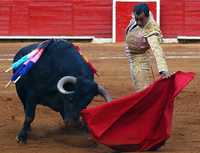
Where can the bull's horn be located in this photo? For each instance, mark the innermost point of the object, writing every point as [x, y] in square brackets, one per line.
[104, 93]
[64, 80]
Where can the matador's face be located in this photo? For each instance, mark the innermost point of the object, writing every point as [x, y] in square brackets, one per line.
[141, 19]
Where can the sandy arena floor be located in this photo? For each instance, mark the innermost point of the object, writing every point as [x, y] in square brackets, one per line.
[48, 134]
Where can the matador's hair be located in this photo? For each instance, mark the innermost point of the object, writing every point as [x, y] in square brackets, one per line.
[138, 9]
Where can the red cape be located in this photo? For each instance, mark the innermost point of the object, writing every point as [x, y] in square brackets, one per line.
[138, 122]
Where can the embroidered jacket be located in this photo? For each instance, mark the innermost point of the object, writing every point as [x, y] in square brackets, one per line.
[139, 40]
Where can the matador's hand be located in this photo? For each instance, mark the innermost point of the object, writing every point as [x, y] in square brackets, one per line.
[165, 74]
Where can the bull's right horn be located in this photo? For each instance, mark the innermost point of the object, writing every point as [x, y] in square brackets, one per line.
[63, 81]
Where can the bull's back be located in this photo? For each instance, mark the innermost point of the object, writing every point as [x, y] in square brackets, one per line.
[59, 59]
[24, 51]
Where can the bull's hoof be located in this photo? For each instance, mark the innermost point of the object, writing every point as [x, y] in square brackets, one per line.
[72, 125]
[84, 127]
[116, 151]
[22, 138]
[92, 142]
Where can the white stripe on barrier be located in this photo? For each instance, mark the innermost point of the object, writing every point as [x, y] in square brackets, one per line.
[169, 55]
[182, 53]
[183, 57]
[6, 59]
[4, 55]
[123, 57]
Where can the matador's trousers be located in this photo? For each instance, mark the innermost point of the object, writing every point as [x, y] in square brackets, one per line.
[141, 70]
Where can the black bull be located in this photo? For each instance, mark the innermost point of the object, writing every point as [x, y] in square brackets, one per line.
[61, 80]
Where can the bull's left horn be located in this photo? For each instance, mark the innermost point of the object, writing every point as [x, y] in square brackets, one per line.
[104, 93]
[64, 80]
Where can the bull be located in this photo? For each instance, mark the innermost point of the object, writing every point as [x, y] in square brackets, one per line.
[61, 80]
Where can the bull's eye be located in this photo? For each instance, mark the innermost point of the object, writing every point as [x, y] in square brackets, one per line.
[69, 86]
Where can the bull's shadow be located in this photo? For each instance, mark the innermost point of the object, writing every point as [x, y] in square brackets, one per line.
[64, 135]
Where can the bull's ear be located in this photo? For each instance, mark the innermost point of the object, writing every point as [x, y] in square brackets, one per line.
[86, 86]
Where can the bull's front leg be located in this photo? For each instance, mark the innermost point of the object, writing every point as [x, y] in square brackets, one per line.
[29, 111]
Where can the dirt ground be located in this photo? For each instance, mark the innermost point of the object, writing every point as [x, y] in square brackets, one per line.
[48, 133]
